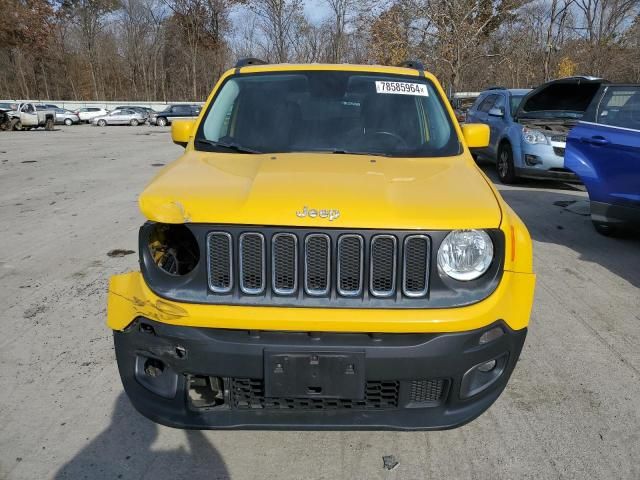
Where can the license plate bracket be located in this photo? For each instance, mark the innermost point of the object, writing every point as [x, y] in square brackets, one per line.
[305, 374]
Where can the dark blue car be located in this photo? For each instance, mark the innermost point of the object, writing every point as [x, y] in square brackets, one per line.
[603, 149]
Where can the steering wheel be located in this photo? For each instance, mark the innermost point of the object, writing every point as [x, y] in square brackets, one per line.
[401, 141]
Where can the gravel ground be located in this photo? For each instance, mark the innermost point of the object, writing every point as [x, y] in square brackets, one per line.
[68, 197]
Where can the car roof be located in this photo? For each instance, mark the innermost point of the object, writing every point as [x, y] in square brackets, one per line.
[340, 67]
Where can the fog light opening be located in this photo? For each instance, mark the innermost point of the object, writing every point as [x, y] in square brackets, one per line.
[153, 367]
[490, 335]
[532, 160]
[206, 392]
[487, 366]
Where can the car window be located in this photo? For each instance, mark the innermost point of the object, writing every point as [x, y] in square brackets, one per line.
[515, 103]
[477, 102]
[500, 102]
[182, 109]
[487, 103]
[93, 109]
[620, 107]
[334, 111]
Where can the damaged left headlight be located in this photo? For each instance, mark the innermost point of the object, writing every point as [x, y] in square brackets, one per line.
[173, 248]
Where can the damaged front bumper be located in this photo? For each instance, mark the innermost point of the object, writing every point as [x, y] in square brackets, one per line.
[201, 378]
[212, 366]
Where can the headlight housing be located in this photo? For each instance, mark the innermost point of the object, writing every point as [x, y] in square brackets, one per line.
[465, 254]
[533, 137]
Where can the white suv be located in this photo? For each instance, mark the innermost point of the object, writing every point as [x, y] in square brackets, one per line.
[86, 114]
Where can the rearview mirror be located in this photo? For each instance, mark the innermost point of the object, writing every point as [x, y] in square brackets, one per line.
[182, 131]
[496, 112]
[476, 135]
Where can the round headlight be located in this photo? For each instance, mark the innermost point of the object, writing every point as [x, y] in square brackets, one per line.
[465, 254]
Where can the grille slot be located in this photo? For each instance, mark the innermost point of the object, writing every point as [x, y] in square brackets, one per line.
[220, 264]
[350, 263]
[285, 264]
[427, 391]
[252, 263]
[415, 277]
[248, 394]
[317, 261]
[383, 262]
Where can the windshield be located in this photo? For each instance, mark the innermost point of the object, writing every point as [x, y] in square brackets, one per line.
[328, 111]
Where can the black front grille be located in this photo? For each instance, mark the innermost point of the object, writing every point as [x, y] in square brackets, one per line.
[248, 394]
[313, 266]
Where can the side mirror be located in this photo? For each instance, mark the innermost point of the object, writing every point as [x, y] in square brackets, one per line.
[182, 131]
[476, 135]
[496, 112]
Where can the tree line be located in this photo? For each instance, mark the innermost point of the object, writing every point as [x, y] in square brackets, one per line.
[148, 50]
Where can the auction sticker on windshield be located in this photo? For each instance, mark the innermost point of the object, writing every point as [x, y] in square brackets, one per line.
[402, 88]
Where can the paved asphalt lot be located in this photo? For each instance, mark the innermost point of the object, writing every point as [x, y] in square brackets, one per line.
[571, 410]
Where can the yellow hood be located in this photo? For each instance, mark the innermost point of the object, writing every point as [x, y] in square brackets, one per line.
[368, 192]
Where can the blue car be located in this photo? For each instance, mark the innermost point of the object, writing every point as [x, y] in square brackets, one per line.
[604, 151]
[529, 127]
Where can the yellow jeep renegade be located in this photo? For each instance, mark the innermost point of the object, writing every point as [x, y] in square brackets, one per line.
[325, 255]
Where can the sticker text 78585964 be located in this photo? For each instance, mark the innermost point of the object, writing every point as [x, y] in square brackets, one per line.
[402, 88]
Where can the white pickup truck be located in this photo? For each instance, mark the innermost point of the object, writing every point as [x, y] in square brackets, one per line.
[28, 116]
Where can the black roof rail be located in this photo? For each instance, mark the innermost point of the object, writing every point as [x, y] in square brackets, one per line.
[415, 64]
[496, 88]
[246, 62]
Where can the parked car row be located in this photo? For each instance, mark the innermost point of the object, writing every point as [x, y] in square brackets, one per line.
[121, 115]
[578, 129]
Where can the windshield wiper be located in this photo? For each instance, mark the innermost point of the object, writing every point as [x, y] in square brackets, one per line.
[229, 146]
[356, 152]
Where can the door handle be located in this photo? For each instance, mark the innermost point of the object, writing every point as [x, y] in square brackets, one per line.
[595, 140]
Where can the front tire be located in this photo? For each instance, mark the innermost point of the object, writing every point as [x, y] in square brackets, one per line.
[133, 122]
[68, 122]
[605, 229]
[161, 122]
[505, 167]
[102, 123]
[48, 124]
[17, 125]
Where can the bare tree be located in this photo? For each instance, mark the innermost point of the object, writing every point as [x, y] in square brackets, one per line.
[278, 21]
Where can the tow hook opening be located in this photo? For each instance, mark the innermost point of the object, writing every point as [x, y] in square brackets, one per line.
[205, 391]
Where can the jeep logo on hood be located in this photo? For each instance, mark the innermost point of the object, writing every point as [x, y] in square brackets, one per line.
[331, 214]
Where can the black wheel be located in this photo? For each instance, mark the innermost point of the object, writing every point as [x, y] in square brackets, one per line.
[133, 122]
[48, 124]
[161, 122]
[17, 125]
[605, 229]
[506, 169]
[102, 123]
[68, 122]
